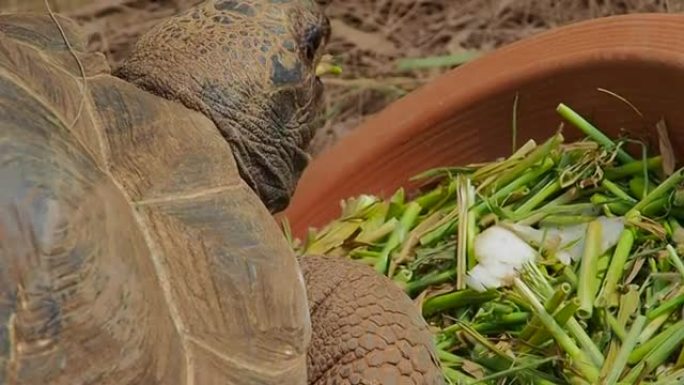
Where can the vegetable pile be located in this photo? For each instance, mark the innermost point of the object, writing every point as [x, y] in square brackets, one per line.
[557, 265]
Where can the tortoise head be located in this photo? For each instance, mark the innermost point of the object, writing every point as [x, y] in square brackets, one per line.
[250, 66]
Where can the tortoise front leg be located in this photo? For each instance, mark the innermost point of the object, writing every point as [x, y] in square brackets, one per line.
[365, 329]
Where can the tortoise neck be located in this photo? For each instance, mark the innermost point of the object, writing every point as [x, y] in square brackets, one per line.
[270, 155]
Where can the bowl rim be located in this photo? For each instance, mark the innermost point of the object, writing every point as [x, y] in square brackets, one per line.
[644, 37]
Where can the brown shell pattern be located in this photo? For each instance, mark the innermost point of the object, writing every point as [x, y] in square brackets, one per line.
[132, 253]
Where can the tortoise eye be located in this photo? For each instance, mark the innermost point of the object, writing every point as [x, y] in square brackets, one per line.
[312, 41]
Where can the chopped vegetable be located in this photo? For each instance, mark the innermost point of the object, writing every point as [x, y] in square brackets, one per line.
[560, 264]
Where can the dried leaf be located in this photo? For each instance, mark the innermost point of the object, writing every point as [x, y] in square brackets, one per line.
[333, 238]
[666, 150]
[622, 99]
[473, 369]
[431, 292]
[635, 270]
[420, 299]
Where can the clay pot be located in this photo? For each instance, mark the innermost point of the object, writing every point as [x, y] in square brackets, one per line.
[465, 115]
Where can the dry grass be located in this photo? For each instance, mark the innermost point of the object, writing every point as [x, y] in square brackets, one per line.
[369, 36]
[392, 29]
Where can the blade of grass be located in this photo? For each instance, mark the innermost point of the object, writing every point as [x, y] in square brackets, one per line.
[675, 259]
[644, 348]
[412, 64]
[656, 356]
[667, 306]
[515, 369]
[617, 366]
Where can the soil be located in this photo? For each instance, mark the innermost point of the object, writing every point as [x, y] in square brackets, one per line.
[370, 37]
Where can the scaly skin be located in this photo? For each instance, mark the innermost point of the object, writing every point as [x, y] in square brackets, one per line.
[365, 329]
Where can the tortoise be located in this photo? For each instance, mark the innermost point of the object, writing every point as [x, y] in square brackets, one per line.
[137, 238]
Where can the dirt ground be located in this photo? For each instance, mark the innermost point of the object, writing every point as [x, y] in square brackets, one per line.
[371, 38]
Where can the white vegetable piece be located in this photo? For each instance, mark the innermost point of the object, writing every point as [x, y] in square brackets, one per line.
[502, 250]
[567, 242]
[500, 254]
[572, 237]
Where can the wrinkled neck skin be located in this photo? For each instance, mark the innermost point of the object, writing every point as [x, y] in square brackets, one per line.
[269, 142]
[268, 133]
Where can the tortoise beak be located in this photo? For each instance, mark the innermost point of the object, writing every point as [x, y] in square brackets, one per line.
[326, 66]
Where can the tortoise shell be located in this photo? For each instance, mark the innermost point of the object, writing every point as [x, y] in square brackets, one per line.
[137, 244]
[126, 227]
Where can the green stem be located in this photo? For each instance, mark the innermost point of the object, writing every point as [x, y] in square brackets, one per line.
[616, 206]
[551, 305]
[470, 238]
[538, 198]
[558, 203]
[434, 197]
[620, 361]
[362, 253]
[445, 356]
[639, 186]
[502, 323]
[633, 168]
[415, 287]
[456, 299]
[523, 180]
[614, 189]
[573, 326]
[466, 195]
[457, 376]
[653, 326]
[642, 350]
[561, 317]
[594, 133]
[615, 326]
[530, 160]
[608, 295]
[655, 207]
[407, 221]
[580, 360]
[675, 259]
[660, 191]
[666, 306]
[569, 276]
[565, 220]
[515, 369]
[379, 233]
[656, 356]
[588, 281]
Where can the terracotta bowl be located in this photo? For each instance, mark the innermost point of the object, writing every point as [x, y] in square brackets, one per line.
[465, 115]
